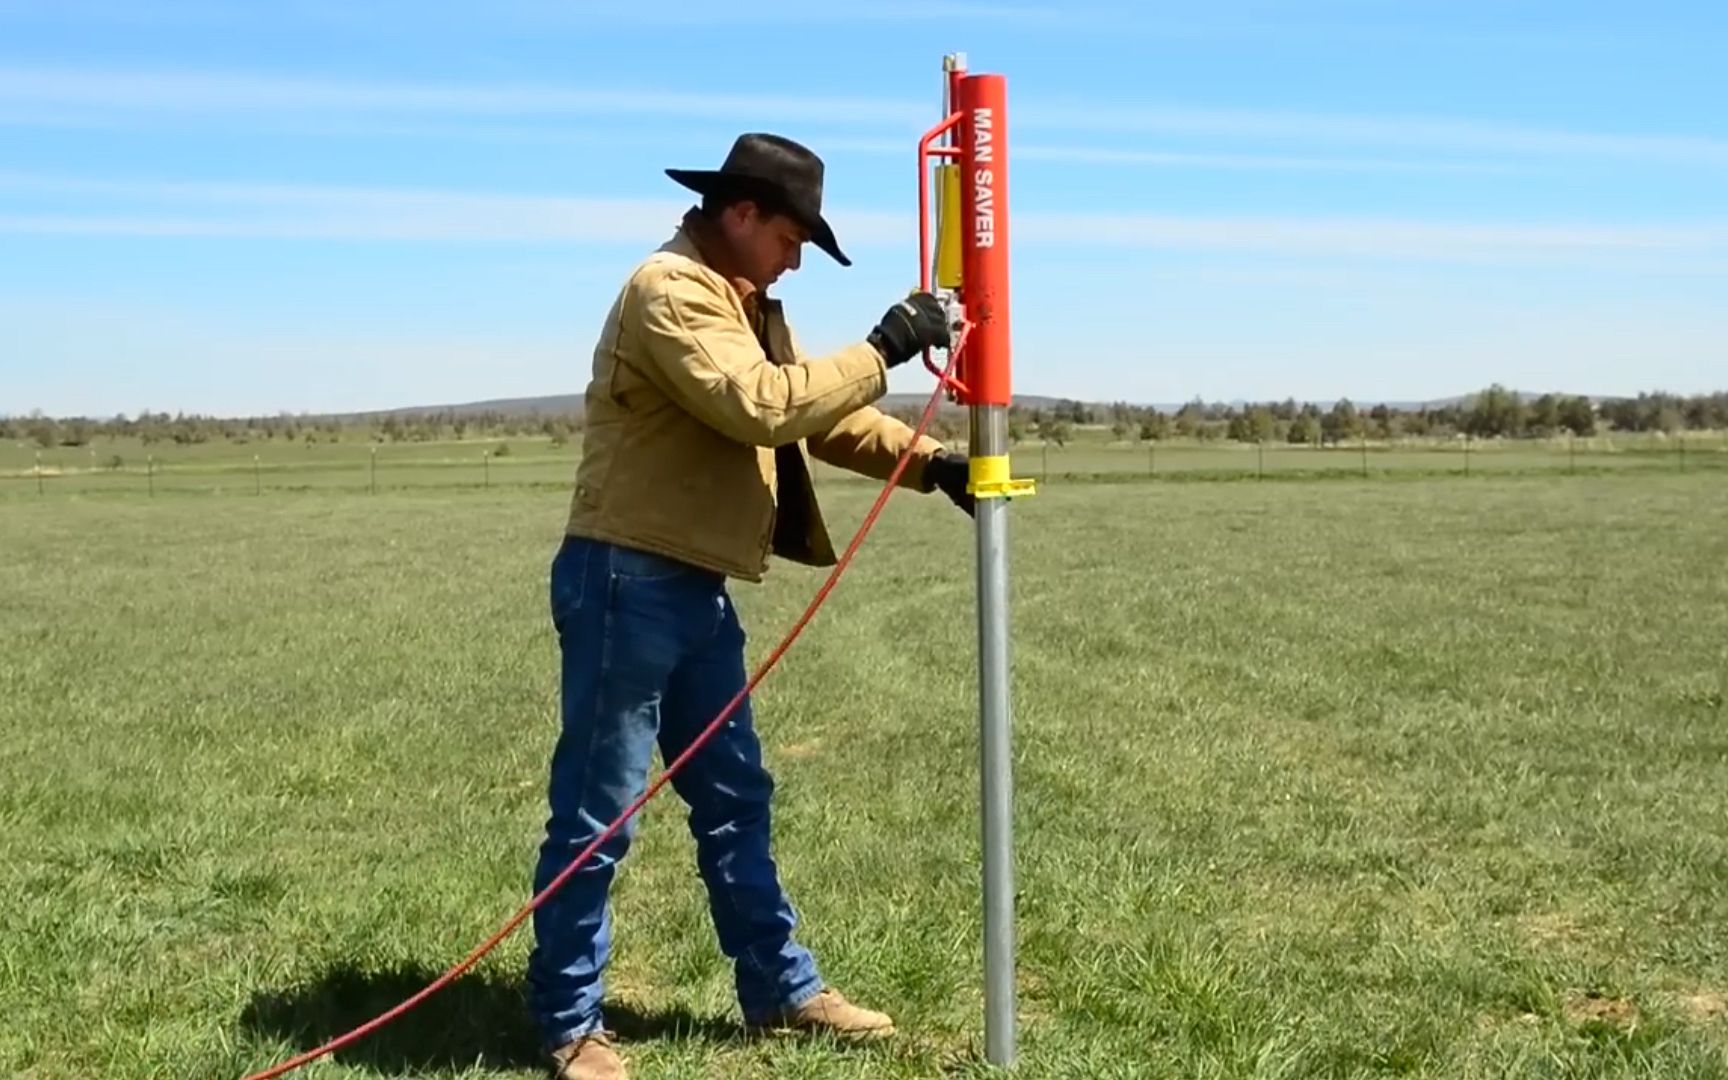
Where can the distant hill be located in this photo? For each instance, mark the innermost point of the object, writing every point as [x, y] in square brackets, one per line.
[572, 404]
[550, 405]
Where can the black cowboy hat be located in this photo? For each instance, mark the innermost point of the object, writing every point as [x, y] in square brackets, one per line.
[785, 175]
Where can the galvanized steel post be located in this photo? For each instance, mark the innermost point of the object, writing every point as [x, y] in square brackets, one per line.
[976, 178]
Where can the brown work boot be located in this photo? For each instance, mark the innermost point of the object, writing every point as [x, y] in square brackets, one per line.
[829, 1013]
[590, 1057]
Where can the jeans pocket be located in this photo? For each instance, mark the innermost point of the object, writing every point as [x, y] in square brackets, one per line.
[567, 583]
[636, 565]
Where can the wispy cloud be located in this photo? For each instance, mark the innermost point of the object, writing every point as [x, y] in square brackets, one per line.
[1318, 22]
[43, 92]
[831, 146]
[1098, 155]
[300, 212]
[311, 212]
[1173, 159]
[597, 224]
[223, 92]
[782, 12]
[1428, 133]
[524, 13]
[1378, 238]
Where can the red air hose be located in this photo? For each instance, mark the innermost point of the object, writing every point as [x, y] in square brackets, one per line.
[707, 733]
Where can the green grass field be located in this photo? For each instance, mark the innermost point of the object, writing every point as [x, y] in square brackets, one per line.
[1315, 779]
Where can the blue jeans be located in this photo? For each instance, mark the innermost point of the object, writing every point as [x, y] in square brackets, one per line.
[652, 651]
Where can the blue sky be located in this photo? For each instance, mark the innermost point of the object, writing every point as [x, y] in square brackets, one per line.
[244, 208]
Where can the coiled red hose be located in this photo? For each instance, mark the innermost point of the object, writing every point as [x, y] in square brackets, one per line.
[671, 769]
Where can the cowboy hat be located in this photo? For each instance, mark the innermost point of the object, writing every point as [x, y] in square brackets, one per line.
[787, 174]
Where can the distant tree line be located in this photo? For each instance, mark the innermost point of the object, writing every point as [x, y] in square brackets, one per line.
[182, 429]
[1493, 413]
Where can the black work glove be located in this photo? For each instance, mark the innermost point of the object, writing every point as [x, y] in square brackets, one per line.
[909, 327]
[949, 473]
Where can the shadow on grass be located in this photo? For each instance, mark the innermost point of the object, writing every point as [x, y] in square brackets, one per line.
[480, 1019]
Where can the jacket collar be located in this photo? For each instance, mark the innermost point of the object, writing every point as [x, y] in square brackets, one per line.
[698, 239]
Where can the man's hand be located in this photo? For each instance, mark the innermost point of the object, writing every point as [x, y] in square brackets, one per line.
[909, 327]
[949, 472]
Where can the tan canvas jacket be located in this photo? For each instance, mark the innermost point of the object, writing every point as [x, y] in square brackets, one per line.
[698, 431]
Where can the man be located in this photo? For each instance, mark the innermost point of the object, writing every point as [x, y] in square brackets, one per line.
[701, 416]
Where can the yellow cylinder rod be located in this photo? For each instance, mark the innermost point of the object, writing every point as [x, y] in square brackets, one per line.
[948, 226]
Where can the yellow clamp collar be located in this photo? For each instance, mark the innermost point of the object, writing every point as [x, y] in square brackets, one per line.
[989, 478]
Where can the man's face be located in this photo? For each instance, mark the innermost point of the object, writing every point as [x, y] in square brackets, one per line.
[765, 247]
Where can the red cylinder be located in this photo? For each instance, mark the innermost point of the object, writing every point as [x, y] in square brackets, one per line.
[985, 365]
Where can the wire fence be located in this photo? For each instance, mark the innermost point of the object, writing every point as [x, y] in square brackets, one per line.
[1366, 459]
[103, 471]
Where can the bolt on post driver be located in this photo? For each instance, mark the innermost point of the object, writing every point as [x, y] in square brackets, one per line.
[970, 267]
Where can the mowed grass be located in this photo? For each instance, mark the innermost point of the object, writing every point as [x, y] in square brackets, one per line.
[1341, 779]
